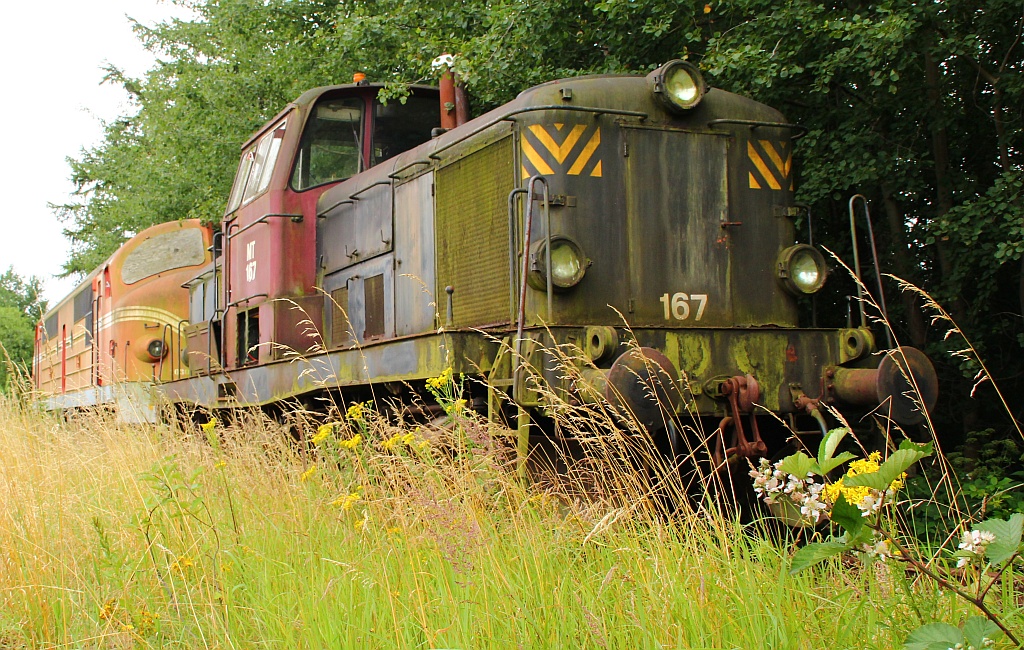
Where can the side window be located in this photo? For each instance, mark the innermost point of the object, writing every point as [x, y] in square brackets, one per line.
[331, 146]
[50, 325]
[83, 308]
[256, 168]
[399, 127]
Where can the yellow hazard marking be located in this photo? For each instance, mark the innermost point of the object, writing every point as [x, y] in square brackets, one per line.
[539, 164]
[546, 150]
[776, 159]
[560, 152]
[754, 185]
[587, 152]
[762, 167]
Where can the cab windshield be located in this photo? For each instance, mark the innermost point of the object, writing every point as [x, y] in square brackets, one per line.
[331, 147]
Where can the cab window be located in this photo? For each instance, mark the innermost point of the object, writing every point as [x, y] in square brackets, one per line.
[256, 168]
[399, 127]
[331, 146]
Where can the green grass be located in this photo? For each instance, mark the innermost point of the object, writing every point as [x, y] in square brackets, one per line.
[120, 537]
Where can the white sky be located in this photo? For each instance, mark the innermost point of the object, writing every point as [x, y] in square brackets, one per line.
[52, 106]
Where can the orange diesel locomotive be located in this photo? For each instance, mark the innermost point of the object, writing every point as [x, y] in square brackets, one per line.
[120, 330]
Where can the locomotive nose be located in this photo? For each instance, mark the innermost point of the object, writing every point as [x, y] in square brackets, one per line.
[644, 382]
[904, 382]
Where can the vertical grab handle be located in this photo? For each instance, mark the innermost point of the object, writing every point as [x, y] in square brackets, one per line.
[856, 265]
[527, 240]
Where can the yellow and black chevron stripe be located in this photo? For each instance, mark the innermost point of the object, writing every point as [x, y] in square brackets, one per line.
[771, 165]
[561, 149]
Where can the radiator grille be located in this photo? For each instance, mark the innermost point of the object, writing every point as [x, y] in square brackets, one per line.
[472, 235]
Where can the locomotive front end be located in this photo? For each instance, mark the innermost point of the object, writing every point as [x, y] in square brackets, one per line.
[659, 239]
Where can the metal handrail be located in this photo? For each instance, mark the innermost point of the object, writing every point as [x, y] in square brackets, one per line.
[753, 124]
[856, 265]
[295, 218]
[209, 344]
[530, 109]
[527, 236]
[322, 214]
[164, 343]
[513, 239]
[395, 175]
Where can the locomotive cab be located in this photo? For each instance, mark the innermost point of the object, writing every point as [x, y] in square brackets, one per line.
[269, 229]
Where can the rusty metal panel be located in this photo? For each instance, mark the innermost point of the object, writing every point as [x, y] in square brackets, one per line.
[363, 318]
[472, 234]
[677, 202]
[359, 230]
[762, 160]
[414, 256]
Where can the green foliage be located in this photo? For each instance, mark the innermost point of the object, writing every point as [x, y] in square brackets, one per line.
[21, 306]
[936, 636]
[893, 468]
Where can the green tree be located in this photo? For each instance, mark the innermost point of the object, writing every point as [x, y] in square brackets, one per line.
[917, 106]
[21, 307]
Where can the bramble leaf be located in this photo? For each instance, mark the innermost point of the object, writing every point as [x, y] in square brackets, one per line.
[1008, 535]
[811, 554]
[799, 465]
[829, 444]
[847, 515]
[832, 463]
[934, 636]
[892, 468]
[979, 628]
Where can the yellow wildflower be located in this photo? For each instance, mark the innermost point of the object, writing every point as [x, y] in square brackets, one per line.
[181, 564]
[391, 442]
[208, 427]
[221, 464]
[308, 474]
[360, 524]
[108, 609]
[346, 502]
[323, 432]
[854, 494]
[357, 412]
[867, 465]
[441, 381]
[352, 442]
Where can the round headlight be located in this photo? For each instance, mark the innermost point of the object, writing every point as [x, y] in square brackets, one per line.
[679, 85]
[568, 265]
[802, 269]
[156, 349]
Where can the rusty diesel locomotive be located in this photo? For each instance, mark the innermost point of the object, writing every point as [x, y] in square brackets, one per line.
[646, 222]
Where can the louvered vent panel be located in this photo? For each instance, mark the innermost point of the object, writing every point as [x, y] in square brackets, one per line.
[373, 300]
[472, 235]
[340, 330]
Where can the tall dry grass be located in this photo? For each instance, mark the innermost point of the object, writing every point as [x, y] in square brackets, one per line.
[117, 537]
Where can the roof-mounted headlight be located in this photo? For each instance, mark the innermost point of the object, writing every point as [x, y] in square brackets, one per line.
[678, 85]
[802, 269]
